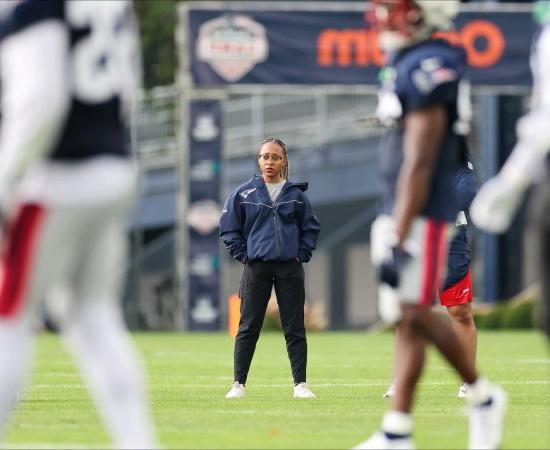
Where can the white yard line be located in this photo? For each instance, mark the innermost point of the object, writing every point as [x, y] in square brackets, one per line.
[201, 386]
[46, 445]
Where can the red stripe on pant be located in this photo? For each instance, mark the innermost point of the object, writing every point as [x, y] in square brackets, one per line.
[434, 254]
[17, 258]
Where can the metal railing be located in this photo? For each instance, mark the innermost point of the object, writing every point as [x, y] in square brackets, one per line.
[154, 125]
[304, 118]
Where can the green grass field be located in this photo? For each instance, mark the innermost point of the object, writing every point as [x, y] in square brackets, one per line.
[190, 373]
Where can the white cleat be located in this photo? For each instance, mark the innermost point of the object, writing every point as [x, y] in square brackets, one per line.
[379, 441]
[486, 421]
[302, 391]
[237, 391]
[463, 391]
[390, 392]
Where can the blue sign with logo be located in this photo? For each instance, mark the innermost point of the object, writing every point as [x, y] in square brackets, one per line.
[322, 47]
[203, 216]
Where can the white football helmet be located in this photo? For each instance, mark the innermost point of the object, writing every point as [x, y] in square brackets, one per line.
[402, 23]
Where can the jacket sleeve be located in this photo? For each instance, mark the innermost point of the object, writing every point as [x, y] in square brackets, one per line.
[231, 228]
[309, 230]
[466, 187]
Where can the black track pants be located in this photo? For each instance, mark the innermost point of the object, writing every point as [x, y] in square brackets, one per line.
[257, 282]
[540, 214]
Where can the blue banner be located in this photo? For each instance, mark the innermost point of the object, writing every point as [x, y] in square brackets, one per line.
[307, 47]
[203, 216]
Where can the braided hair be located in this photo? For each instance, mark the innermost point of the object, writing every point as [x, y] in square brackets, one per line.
[277, 141]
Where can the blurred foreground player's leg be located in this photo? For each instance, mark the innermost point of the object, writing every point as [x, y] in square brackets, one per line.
[457, 292]
[66, 183]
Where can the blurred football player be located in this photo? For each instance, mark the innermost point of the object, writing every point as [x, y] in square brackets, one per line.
[457, 291]
[420, 154]
[68, 72]
[498, 200]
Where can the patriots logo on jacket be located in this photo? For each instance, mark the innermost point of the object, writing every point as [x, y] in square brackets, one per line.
[246, 193]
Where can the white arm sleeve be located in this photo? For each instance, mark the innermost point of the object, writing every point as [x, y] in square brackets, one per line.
[35, 96]
[533, 130]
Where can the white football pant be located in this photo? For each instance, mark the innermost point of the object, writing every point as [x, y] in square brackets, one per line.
[69, 231]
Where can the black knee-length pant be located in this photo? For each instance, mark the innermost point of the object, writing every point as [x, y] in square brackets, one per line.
[258, 279]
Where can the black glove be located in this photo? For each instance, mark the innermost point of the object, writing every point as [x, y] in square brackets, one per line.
[389, 272]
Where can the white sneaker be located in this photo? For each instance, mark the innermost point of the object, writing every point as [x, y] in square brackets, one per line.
[485, 421]
[390, 392]
[237, 391]
[463, 390]
[379, 441]
[302, 391]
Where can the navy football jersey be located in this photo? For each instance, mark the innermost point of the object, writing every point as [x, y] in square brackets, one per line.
[418, 77]
[100, 67]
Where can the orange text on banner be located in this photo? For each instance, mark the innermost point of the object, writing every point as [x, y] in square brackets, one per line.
[355, 47]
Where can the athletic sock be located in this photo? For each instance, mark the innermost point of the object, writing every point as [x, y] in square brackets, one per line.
[397, 425]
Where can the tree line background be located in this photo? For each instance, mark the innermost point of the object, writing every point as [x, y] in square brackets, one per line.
[157, 22]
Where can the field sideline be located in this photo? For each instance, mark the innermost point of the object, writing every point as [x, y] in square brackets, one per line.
[190, 373]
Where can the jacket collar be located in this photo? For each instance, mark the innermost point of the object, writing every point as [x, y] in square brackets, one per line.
[258, 181]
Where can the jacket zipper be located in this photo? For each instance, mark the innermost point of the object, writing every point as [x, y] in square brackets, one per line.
[276, 233]
[277, 248]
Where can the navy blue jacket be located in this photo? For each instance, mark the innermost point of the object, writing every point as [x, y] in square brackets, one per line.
[254, 228]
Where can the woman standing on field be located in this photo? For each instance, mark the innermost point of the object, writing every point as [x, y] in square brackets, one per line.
[268, 224]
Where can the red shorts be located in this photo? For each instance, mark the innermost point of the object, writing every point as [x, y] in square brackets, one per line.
[459, 293]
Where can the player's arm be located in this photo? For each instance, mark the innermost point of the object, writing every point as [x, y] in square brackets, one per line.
[498, 200]
[35, 97]
[424, 131]
[532, 130]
